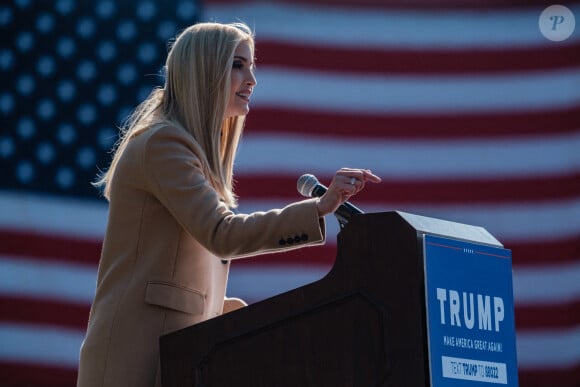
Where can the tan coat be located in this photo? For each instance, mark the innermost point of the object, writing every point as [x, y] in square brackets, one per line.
[161, 267]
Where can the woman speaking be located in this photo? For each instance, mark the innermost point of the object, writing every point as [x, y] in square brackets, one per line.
[171, 231]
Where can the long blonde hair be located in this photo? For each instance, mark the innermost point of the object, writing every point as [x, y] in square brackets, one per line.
[194, 98]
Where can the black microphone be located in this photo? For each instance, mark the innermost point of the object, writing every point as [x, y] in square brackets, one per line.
[309, 186]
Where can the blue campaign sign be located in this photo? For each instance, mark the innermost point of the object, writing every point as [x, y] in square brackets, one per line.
[470, 313]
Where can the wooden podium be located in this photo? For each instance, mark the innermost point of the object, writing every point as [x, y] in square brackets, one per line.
[363, 324]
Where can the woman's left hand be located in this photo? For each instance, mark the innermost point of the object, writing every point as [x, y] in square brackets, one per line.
[232, 303]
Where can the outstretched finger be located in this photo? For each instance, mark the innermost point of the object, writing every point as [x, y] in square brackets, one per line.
[369, 176]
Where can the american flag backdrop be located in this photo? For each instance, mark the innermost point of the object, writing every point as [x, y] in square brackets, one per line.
[464, 108]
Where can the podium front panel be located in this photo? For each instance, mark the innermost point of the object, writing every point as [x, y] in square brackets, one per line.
[470, 313]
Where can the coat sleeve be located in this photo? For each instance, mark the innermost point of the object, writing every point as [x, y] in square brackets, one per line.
[175, 176]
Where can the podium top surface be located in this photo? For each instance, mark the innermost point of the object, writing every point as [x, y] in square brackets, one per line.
[445, 228]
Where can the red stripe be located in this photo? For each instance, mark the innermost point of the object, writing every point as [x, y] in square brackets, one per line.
[50, 247]
[43, 312]
[524, 253]
[564, 315]
[408, 61]
[557, 377]
[316, 256]
[18, 374]
[33, 246]
[440, 5]
[37, 375]
[554, 252]
[413, 126]
[566, 250]
[416, 192]
[528, 253]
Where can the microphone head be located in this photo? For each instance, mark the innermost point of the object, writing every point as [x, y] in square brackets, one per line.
[306, 184]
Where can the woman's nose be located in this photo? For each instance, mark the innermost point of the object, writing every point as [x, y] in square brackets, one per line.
[251, 79]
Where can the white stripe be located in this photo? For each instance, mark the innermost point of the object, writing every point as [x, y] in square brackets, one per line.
[47, 280]
[542, 221]
[40, 345]
[532, 286]
[542, 285]
[358, 93]
[513, 222]
[410, 159]
[260, 282]
[545, 284]
[60, 347]
[53, 215]
[548, 349]
[387, 27]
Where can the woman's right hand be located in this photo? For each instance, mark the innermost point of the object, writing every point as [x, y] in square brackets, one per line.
[345, 183]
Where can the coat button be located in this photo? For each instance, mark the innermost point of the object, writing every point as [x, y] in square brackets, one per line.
[297, 239]
[304, 237]
[281, 242]
[290, 241]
